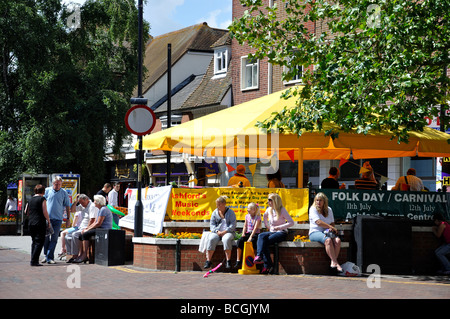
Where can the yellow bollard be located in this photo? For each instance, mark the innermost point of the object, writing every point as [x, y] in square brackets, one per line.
[248, 267]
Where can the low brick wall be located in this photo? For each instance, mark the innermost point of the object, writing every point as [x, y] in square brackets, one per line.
[8, 229]
[294, 257]
[424, 243]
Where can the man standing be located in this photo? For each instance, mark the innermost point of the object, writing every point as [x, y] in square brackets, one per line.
[113, 200]
[57, 199]
[332, 180]
[113, 195]
[104, 191]
[367, 181]
[414, 183]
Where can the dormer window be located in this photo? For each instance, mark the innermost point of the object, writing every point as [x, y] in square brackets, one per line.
[221, 59]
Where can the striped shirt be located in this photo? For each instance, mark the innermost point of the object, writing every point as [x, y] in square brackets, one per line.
[364, 183]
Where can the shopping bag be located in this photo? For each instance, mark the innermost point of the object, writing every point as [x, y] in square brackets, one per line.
[349, 269]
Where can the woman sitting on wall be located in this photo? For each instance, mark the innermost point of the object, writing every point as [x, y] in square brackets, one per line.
[322, 230]
[442, 230]
[222, 226]
[277, 221]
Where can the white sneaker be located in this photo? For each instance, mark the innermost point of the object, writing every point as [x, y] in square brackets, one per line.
[44, 260]
[51, 261]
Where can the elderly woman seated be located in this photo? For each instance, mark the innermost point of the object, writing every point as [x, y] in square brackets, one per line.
[104, 220]
[222, 225]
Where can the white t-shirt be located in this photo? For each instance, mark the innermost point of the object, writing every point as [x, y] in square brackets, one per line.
[11, 204]
[113, 197]
[90, 211]
[314, 216]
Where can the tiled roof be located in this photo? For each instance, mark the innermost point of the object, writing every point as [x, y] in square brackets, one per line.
[224, 40]
[179, 97]
[210, 91]
[199, 37]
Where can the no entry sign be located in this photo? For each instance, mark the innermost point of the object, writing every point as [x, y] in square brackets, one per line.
[140, 120]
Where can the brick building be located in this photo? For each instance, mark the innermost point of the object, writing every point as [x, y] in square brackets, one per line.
[253, 79]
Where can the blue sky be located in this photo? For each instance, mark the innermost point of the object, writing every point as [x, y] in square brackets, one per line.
[170, 15]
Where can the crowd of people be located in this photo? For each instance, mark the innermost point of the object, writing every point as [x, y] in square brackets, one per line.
[368, 181]
[46, 207]
[45, 217]
[277, 222]
[321, 220]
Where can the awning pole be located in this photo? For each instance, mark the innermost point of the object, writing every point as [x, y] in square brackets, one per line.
[300, 168]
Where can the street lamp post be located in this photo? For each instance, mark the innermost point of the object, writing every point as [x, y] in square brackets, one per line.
[138, 210]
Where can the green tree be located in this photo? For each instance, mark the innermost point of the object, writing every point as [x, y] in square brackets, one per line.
[64, 90]
[377, 65]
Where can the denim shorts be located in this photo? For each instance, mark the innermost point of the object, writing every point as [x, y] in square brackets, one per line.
[317, 236]
[72, 229]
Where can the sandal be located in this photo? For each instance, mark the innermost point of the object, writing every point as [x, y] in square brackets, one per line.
[258, 260]
[267, 271]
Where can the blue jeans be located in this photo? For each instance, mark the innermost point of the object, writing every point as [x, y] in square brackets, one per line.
[50, 241]
[264, 241]
[441, 253]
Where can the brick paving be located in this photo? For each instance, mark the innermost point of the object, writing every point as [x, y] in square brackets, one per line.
[20, 281]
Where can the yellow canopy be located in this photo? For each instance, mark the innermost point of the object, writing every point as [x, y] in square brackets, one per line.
[232, 132]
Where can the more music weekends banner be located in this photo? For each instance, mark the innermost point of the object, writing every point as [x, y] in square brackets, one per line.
[199, 203]
[154, 203]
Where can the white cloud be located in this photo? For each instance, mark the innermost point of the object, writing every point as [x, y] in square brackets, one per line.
[215, 18]
[161, 15]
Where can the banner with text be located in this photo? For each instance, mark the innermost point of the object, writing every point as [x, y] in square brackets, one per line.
[154, 203]
[417, 206]
[199, 203]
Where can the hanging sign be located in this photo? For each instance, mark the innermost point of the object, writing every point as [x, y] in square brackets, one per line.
[140, 120]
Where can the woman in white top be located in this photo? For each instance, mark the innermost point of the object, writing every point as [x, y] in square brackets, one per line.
[11, 206]
[321, 228]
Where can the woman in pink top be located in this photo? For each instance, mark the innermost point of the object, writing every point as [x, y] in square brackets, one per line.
[442, 230]
[277, 221]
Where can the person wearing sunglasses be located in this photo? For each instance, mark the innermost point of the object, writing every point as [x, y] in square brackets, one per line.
[277, 221]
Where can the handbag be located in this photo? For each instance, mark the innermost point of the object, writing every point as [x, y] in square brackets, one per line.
[405, 187]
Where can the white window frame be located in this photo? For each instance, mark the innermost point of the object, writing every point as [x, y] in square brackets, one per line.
[175, 120]
[221, 61]
[254, 76]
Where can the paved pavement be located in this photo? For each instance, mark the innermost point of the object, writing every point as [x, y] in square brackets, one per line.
[18, 281]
